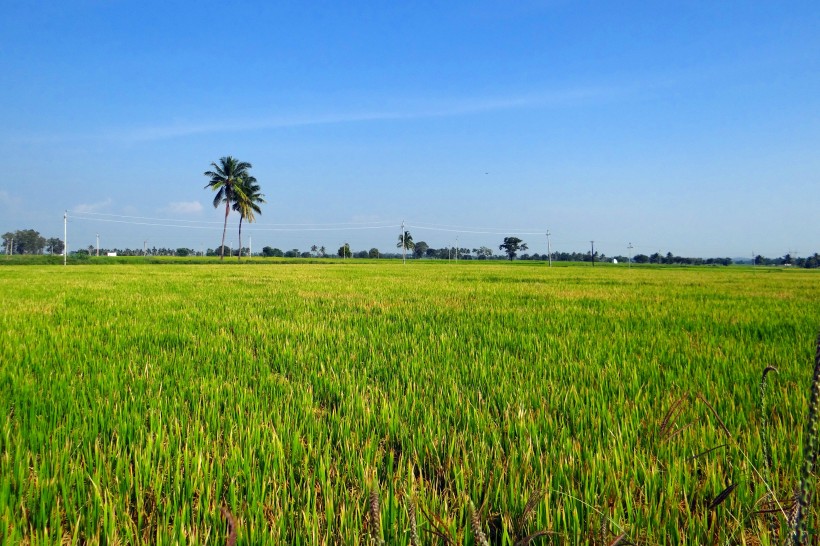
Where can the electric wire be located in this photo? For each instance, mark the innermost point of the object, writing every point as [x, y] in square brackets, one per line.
[335, 226]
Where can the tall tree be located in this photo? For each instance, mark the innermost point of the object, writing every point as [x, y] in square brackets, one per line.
[420, 248]
[226, 181]
[24, 241]
[8, 240]
[55, 245]
[405, 242]
[246, 203]
[511, 246]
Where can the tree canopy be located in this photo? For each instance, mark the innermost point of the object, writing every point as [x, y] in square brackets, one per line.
[246, 203]
[25, 241]
[511, 246]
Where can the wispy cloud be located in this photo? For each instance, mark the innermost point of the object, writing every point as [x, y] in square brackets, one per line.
[412, 110]
[85, 208]
[401, 109]
[182, 207]
[8, 200]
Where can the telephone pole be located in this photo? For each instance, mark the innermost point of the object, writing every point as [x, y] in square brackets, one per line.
[250, 246]
[549, 248]
[98, 245]
[403, 249]
[65, 238]
[457, 250]
[630, 254]
[592, 252]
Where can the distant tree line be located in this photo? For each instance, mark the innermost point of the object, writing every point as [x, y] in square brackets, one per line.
[788, 260]
[29, 241]
[670, 259]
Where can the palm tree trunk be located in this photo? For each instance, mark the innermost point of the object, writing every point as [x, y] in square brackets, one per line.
[239, 256]
[224, 229]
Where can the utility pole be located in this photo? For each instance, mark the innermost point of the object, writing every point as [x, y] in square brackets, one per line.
[65, 238]
[457, 250]
[98, 245]
[592, 252]
[250, 245]
[403, 250]
[144, 249]
[549, 248]
[630, 255]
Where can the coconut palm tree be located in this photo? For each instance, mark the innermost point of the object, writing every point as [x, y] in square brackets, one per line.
[247, 204]
[226, 181]
[405, 243]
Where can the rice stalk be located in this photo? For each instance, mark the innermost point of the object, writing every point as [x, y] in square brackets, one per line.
[231, 523]
[414, 533]
[475, 527]
[771, 519]
[375, 517]
[799, 532]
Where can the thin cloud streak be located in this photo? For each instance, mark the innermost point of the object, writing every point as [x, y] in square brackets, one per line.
[444, 109]
[7, 200]
[431, 109]
[85, 208]
[183, 207]
[413, 109]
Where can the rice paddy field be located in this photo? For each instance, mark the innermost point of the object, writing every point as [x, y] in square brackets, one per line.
[375, 403]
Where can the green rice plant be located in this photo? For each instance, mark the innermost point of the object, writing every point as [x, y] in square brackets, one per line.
[134, 404]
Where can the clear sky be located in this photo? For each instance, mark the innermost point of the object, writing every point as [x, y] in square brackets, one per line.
[690, 127]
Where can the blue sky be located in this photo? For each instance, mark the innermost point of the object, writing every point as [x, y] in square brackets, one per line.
[690, 127]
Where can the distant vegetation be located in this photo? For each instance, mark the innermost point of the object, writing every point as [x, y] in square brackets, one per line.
[32, 243]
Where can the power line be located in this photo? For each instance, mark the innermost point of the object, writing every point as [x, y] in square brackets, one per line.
[520, 230]
[220, 222]
[498, 232]
[219, 227]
